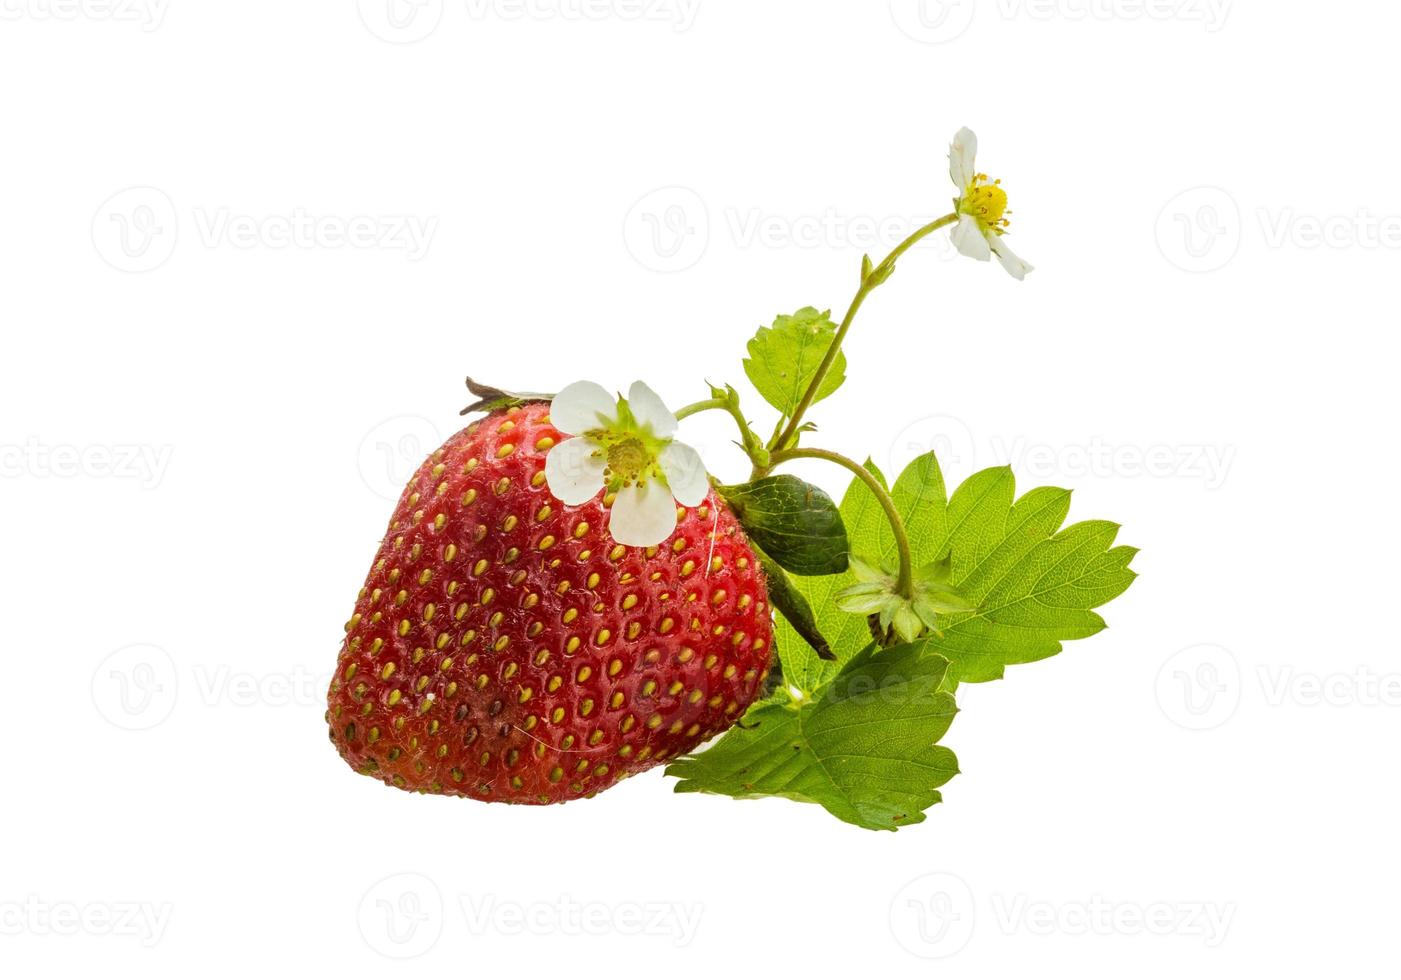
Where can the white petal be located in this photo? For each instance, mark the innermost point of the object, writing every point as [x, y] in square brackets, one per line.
[969, 239]
[572, 471]
[685, 473]
[962, 158]
[650, 411]
[1008, 258]
[643, 516]
[582, 406]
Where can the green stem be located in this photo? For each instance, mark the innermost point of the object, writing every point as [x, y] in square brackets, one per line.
[904, 585]
[695, 407]
[869, 282]
[749, 442]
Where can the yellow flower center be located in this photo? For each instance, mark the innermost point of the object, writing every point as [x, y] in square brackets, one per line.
[987, 202]
[626, 460]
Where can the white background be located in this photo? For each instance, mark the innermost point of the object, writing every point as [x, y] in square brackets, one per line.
[1205, 351]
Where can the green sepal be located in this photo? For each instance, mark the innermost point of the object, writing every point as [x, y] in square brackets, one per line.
[793, 605]
[796, 523]
[897, 617]
[491, 399]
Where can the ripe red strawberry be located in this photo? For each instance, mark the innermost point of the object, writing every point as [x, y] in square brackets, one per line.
[504, 647]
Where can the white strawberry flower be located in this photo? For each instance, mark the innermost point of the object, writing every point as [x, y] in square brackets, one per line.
[624, 446]
[981, 207]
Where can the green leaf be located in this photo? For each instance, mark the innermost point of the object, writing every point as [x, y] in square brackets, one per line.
[865, 748]
[783, 359]
[1034, 584]
[793, 605]
[795, 522]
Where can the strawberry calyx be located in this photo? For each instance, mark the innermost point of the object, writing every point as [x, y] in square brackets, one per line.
[493, 399]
